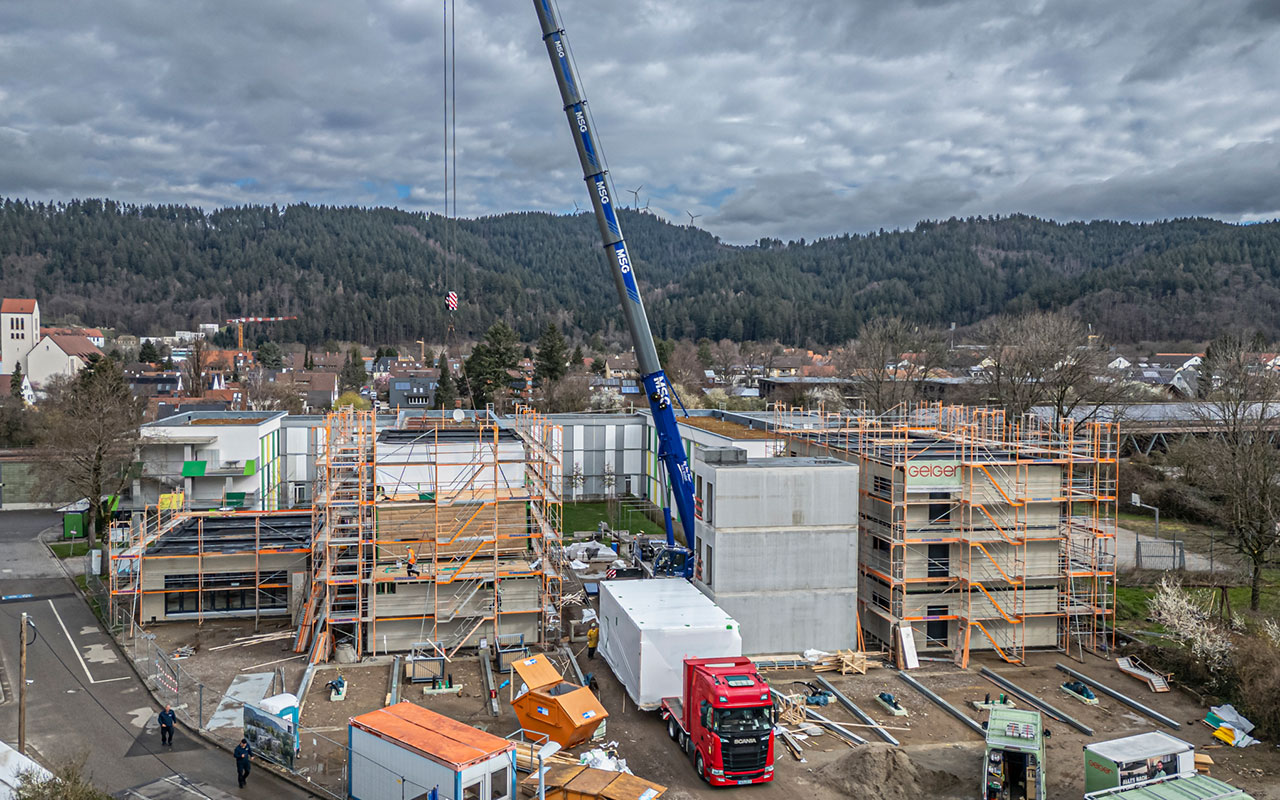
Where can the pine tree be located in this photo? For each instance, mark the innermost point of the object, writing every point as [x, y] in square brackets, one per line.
[353, 375]
[551, 354]
[148, 353]
[575, 361]
[270, 356]
[446, 390]
[15, 383]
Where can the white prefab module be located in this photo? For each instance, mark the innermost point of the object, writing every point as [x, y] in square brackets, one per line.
[649, 627]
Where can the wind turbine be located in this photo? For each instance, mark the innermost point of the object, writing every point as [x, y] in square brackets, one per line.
[576, 208]
[635, 196]
[692, 217]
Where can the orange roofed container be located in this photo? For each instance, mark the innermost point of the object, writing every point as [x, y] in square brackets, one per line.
[567, 713]
[407, 747]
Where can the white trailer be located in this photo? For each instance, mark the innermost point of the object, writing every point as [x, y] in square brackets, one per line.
[649, 627]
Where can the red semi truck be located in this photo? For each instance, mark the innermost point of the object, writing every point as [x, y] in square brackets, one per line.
[724, 721]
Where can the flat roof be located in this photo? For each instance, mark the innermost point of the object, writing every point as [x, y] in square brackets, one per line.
[1192, 787]
[433, 735]
[235, 533]
[216, 418]
[731, 430]
[1141, 746]
[784, 462]
[664, 604]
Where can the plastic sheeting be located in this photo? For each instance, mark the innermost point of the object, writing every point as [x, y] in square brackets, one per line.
[649, 627]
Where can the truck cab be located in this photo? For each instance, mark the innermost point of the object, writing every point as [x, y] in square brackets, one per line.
[724, 721]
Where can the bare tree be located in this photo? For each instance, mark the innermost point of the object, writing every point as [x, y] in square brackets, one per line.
[570, 393]
[196, 367]
[1048, 358]
[88, 438]
[261, 394]
[889, 362]
[1238, 467]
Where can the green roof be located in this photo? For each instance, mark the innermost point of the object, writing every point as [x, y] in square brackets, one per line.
[1194, 787]
[998, 723]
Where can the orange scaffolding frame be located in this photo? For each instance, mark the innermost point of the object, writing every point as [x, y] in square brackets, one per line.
[483, 507]
[1000, 508]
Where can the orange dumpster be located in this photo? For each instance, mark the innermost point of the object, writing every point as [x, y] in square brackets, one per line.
[567, 713]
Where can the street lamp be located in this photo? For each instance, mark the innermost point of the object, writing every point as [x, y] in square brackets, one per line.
[546, 751]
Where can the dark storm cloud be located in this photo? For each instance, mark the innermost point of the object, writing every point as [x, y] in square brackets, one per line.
[768, 119]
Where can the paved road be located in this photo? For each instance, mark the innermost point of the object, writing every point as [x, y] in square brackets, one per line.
[84, 701]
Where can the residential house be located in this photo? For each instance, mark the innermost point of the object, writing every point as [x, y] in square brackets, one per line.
[152, 383]
[20, 324]
[92, 334]
[1173, 383]
[412, 391]
[319, 390]
[217, 459]
[622, 365]
[1119, 363]
[24, 390]
[59, 355]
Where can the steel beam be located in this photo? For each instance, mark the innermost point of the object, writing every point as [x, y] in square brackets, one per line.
[973, 724]
[1018, 691]
[857, 712]
[1128, 701]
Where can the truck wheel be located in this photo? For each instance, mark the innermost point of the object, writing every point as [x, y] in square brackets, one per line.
[700, 767]
[672, 730]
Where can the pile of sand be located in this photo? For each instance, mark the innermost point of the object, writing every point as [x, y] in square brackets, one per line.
[887, 773]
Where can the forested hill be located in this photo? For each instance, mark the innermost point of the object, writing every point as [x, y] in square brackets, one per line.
[379, 275]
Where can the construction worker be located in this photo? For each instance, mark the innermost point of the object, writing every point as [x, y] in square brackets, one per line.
[242, 753]
[412, 569]
[593, 640]
[168, 718]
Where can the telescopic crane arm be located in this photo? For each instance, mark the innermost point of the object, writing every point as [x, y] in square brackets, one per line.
[657, 388]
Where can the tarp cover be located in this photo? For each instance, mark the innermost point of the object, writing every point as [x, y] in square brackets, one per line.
[649, 627]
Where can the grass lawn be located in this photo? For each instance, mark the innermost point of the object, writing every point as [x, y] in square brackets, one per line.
[73, 549]
[586, 516]
[1132, 608]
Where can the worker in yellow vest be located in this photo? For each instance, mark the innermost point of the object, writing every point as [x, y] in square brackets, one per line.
[593, 640]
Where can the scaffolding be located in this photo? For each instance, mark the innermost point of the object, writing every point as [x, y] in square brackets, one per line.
[997, 525]
[452, 522]
[192, 562]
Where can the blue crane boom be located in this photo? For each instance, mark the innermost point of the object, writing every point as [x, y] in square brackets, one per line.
[656, 386]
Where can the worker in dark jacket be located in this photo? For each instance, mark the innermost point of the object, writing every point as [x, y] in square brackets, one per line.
[168, 718]
[242, 754]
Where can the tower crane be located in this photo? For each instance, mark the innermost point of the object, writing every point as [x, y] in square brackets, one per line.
[240, 321]
[658, 389]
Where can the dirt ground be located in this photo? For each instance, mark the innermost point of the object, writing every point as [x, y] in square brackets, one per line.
[939, 756]
[217, 668]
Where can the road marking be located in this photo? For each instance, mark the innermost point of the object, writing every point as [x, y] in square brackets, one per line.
[76, 650]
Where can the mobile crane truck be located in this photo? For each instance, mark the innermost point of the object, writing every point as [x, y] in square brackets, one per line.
[724, 721]
[657, 388]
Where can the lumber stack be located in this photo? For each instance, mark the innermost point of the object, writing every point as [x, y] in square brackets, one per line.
[527, 758]
[846, 662]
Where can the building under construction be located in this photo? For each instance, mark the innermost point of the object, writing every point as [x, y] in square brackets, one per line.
[429, 534]
[433, 533]
[977, 530]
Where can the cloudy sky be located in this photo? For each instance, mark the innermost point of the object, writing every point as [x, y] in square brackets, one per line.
[781, 119]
